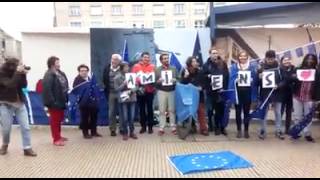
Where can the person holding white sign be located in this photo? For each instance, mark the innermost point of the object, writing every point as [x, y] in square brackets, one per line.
[270, 78]
[244, 80]
[146, 91]
[125, 87]
[216, 75]
[306, 92]
[166, 77]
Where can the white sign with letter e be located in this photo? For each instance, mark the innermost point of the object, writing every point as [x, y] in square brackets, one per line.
[148, 78]
[166, 76]
[131, 80]
[217, 82]
[244, 78]
[268, 79]
[306, 74]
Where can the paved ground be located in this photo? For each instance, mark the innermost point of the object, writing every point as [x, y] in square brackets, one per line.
[147, 156]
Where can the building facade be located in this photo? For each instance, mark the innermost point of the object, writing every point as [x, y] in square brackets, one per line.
[9, 46]
[131, 14]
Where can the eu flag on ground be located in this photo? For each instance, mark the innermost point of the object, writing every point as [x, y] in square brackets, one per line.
[197, 51]
[208, 161]
[125, 52]
[175, 62]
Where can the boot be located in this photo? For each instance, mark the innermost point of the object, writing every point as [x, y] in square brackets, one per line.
[246, 134]
[86, 134]
[4, 150]
[150, 131]
[224, 132]
[29, 152]
[94, 133]
[143, 130]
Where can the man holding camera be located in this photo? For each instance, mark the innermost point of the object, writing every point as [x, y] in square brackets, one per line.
[12, 81]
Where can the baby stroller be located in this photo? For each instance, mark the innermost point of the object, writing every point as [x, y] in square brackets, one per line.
[187, 102]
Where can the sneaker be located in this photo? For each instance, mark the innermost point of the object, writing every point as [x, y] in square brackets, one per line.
[174, 131]
[133, 136]
[96, 135]
[224, 132]
[64, 139]
[29, 152]
[262, 135]
[280, 135]
[310, 139]
[239, 134]
[113, 133]
[59, 143]
[4, 150]
[125, 137]
[205, 133]
[161, 132]
[246, 135]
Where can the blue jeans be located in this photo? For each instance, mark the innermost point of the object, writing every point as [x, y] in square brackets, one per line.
[277, 115]
[127, 110]
[7, 112]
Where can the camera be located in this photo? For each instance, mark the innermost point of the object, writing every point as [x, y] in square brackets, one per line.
[28, 68]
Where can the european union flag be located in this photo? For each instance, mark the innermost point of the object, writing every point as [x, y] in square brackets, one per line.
[227, 95]
[125, 52]
[261, 110]
[197, 51]
[208, 161]
[312, 49]
[175, 62]
[299, 52]
[297, 128]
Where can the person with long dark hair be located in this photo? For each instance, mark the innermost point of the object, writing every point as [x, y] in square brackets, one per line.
[193, 74]
[216, 67]
[306, 93]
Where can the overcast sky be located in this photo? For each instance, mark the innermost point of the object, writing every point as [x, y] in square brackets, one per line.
[16, 16]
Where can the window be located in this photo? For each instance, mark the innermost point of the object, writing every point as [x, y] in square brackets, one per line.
[158, 9]
[75, 24]
[137, 9]
[158, 24]
[179, 9]
[74, 11]
[96, 23]
[116, 10]
[199, 8]
[199, 23]
[96, 10]
[117, 24]
[180, 24]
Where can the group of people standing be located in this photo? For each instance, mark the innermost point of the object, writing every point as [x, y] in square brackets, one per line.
[289, 95]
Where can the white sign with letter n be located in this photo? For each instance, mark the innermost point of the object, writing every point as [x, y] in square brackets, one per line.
[244, 78]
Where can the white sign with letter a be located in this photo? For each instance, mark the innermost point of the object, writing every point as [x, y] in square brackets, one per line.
[131, 80]
[166, 76]
[217, 82]
[148, 78]
[268, 79]
[244, 78]
[306, 74]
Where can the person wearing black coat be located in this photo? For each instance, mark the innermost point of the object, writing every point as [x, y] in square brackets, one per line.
[88, 107]
[55, 97]
[287, 70]
[306, 93]
[270, 64]
[215, 66]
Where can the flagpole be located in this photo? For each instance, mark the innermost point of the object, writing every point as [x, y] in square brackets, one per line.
[269, 95]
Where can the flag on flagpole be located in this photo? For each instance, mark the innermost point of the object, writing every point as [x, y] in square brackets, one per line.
[125, 52]
[175, 62]
[312, 48]
[261, 110]
[299, 52]
[197, 50]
